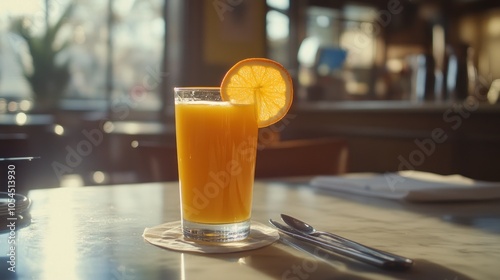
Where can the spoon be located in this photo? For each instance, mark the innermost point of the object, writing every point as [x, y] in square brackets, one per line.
[367, 258]
[310, 230]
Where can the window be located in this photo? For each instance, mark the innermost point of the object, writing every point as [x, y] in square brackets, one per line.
[278, 31]
[113, 54]
[338, 54]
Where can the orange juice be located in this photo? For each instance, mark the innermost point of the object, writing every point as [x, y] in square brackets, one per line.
[216, 149]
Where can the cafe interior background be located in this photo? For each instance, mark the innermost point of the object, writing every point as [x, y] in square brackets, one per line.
[86, 86]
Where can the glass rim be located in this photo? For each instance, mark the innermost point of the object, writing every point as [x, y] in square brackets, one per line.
[197, 88]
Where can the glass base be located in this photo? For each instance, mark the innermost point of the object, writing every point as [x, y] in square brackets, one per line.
[216, 233]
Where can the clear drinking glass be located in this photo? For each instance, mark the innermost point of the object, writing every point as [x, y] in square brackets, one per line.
[216, 150]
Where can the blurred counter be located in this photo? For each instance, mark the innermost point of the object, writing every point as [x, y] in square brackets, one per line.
[402, 106]
[454, 137]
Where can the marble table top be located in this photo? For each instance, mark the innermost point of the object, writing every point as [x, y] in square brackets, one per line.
[96, 233]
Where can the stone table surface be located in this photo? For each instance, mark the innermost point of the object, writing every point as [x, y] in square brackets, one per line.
[96, 233]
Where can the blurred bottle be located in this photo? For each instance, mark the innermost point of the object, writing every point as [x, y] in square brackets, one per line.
[459, 72]
[421, 77]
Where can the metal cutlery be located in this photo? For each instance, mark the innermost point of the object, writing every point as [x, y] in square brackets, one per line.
[18, 158]
[310, 230]
[341, 249]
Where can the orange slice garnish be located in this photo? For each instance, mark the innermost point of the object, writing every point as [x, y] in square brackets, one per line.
[261, 80]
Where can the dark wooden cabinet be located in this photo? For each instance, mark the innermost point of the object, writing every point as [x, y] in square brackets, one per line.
[386, 136]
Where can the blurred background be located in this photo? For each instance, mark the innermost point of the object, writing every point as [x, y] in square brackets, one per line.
[86, 86]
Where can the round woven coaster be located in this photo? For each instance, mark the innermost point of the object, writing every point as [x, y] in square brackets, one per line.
[169, 236]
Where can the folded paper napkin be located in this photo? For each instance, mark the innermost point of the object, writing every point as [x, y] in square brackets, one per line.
[169, 236]
[411, 185]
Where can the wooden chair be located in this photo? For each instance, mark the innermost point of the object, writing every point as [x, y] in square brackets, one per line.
[304, 157]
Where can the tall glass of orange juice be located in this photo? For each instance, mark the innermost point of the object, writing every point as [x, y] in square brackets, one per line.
[216, 150]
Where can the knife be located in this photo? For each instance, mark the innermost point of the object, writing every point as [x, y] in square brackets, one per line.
[309, 230]
[18, 158]
[341, 250]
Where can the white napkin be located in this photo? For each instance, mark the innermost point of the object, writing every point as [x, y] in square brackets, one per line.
[411, 185]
